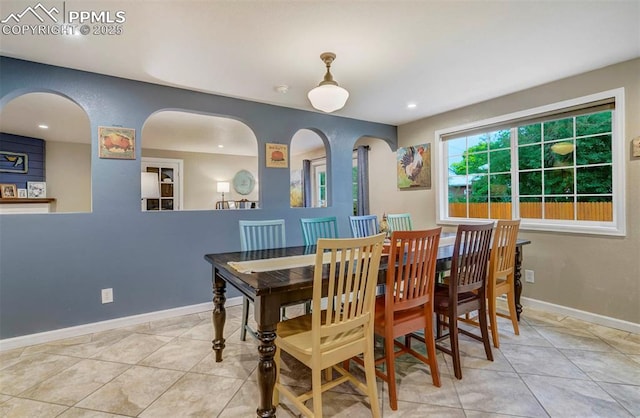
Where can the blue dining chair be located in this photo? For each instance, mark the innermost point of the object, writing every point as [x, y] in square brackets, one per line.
[399, 222]
[258, 235]
[314, 228]
[363, 226]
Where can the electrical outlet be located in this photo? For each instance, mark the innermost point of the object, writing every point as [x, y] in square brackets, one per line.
[529, 276]
[107, 295]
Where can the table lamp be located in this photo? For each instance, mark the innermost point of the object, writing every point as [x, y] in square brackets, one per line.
[223, 187]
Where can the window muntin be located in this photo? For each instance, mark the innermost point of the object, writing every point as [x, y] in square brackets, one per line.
[562, 171]
[565, 168]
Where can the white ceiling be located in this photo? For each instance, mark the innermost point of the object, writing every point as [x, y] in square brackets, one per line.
[440, 55]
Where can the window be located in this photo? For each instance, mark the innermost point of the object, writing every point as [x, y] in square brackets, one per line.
[558, 168]
[320, 183]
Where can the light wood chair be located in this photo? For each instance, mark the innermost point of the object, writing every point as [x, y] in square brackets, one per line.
[501, 279]
[407, 305]
[465, 290]
[399, 222]
[343, 329]
[364, 225]
[314, 228]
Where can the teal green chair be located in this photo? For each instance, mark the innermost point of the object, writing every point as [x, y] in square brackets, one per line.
[363, 226]
[314, 228]
[399, 222]
[258, 235]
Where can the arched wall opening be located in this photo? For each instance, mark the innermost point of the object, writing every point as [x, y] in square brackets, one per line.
[46, 144]
[195, 155]
[309, 170]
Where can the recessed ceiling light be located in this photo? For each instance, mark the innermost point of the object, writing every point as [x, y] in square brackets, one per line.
[43, 126]
[411, 106]
[220, 146]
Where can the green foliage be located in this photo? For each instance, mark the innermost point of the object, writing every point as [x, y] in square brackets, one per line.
[583, 159]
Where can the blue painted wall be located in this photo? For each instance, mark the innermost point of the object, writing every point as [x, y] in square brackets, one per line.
[52, 266]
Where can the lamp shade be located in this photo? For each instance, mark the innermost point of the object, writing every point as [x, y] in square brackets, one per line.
[149, 187]
[223, 187]
[328, 97]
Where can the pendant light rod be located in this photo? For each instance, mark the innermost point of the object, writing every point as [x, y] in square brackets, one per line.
[327, 58]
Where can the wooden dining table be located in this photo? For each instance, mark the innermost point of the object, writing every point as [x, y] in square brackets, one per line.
[271, 289]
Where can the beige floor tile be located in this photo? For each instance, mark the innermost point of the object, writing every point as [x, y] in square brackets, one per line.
[167, 368]
[133, 348]
[170, 327]
[179, 354]
[606, 367]
[23, 408]
[548, 361]
[627, 395]
[497, 392]
[562, 337]
[239, 361]
[132, 391]
[421, 410]
[194, 395]
[416, 386]
[76, 382]
[573, 398]
[87, 345]
[88, 413]
[31, 370]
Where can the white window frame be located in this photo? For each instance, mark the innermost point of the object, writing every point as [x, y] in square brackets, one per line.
[617, 227]
[317, 167]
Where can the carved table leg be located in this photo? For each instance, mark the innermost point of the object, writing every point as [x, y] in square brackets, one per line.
[219, 315]
[266, 371]
[517, 275]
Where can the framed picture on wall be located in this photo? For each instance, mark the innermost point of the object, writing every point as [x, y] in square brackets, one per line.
[22, 193]
[116, 142]
[8, 191]
[277, 156]
[36, 189]
[14, 162]
[414, 167]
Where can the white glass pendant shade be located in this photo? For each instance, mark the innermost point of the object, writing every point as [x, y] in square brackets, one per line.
[328, 98]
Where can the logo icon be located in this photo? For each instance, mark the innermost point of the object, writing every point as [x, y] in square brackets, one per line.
[38, 11]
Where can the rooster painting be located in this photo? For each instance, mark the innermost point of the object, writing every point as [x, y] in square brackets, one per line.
[413, 166]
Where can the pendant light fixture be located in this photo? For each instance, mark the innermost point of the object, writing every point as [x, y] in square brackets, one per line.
[328, 96]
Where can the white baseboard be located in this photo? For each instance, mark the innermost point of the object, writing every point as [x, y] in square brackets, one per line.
[583, 315]
[59, 334]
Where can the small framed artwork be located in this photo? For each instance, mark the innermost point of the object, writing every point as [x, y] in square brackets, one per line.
[414, 167]
[14, 162]
[115, 142]
[36, 189]
[22, 193]
[8, 191]
[635, 147]
[277, 156]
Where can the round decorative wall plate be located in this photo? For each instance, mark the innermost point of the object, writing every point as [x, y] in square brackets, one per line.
[243, 182]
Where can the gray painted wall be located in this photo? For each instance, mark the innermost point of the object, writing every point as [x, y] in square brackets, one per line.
[52, 266]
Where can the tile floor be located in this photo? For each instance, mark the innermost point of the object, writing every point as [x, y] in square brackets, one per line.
[557, 367]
